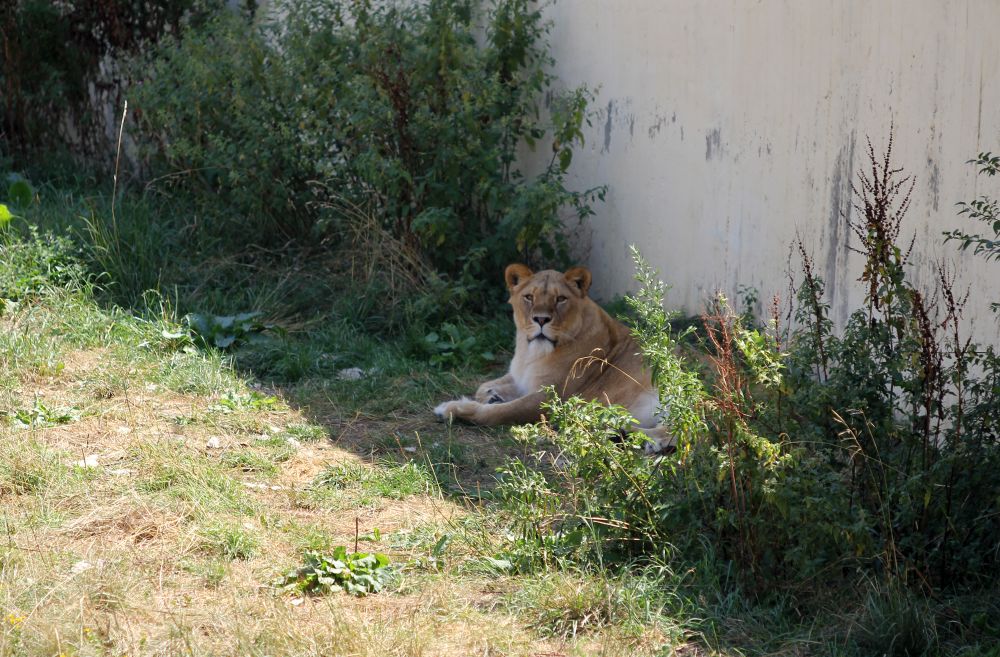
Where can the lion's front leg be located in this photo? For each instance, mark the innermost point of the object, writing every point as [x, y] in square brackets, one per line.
[497, 391]
[522, 410]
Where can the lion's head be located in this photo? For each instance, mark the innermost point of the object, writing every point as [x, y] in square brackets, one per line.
[550, 307]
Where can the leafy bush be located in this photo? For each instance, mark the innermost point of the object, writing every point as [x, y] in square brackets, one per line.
[806, 456]
[411, 109]
[903, 403]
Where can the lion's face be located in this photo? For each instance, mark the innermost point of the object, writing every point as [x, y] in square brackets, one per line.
[549, 306]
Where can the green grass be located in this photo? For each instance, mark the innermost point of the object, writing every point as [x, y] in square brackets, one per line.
[353, 485]
[230, 541]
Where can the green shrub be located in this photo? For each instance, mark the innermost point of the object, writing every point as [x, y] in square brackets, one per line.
[412, 111]
[807, 455]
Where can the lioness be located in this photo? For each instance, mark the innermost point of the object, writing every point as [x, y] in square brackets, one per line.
[564, 340]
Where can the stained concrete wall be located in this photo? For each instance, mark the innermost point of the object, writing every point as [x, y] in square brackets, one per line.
[726, 126]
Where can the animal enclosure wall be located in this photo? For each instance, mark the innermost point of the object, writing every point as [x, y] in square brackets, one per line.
[725, 127]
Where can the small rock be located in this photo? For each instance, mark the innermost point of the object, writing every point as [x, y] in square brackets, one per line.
[79, 567]
[351, 374]
[259, 486]
[411, 449]
[213, 443]
[294, 443]
[89, 461]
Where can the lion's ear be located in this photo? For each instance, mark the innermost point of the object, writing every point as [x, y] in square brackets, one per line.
[579, 277]
[516, 274]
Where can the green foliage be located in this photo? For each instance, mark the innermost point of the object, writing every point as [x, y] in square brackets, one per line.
[6, 216]
[681, 391]
[40, 415]
[905, 404]
[807, 457]
[602, 499]
[357, 573]
[452, 344]
[227, 331]
[19, 191]
[231, 402]
[986, 210]
[37, 263]
[415, 111]
[392, 480]
[230, 542]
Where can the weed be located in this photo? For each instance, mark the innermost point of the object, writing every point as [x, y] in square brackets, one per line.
[250, 462]
[230, 542]
[227, 331]
[232, 402]
[212, 572]
[357, 573]
[41, 415]
[417, 124]
[450, 344]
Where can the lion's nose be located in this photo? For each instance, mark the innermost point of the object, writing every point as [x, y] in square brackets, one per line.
[542, 320]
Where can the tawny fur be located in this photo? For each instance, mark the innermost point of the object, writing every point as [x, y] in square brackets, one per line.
[567, 341]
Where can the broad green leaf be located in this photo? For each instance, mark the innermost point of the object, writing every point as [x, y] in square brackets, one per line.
[20, 193]
[5, 215]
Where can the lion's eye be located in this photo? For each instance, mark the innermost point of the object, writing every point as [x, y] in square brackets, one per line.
[560, 299]
[529, 298]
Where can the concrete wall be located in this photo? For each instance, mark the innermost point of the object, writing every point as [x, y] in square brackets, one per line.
[725, 126]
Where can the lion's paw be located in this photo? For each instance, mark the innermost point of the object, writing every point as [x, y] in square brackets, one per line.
[488, 396]
[659, 446]
[459, 409]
